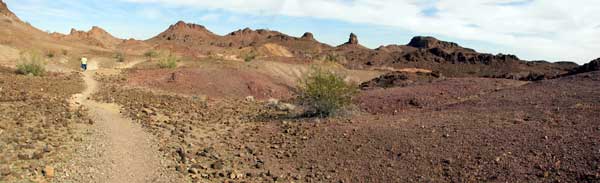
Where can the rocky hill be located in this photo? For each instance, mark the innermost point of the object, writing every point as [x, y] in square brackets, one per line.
[185, 33]
[450, 59]
[196, 40]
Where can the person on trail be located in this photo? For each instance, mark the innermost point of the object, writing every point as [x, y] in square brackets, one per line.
[84, 63]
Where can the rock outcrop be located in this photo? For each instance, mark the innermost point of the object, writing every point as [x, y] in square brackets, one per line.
[426, 42]
[353, 40]
[308, 36]
[400, 79]
[450, 59]
[593, 65]
[4, 11]
[95, 36]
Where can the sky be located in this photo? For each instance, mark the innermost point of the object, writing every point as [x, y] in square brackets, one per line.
[553, 30]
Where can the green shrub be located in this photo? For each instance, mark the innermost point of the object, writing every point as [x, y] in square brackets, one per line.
[333, 57]
[169, 61]
[120, 57]
[50, 54]
[249, 57]
[151, 54]
[31, 64]
[325, 93]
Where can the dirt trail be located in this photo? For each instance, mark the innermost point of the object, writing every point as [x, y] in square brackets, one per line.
[116, 149]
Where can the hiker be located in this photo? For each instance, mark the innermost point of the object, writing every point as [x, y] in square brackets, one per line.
[84, 63]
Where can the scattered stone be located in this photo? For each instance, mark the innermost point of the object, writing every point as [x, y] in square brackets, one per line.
[218, 165]
[4, 170]
[206, 176]
[181, 153]
[272, 103]
[193, 170]
[47, 148]
[180, 168]
[250, 99]
[286, 107]
[48, 171]
[148, 111]
[27, 155]
[447, 161]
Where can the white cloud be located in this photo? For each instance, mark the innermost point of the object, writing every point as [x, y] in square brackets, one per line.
[210, 17]
[538, 29]
[150, 13]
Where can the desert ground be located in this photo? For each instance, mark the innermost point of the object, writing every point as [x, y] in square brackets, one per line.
[228, 110]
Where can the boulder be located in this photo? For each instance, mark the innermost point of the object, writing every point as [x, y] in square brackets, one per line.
[250, 99]
[272, 102]
[286, 107]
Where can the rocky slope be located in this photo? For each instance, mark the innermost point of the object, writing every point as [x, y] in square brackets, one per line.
[37, 125]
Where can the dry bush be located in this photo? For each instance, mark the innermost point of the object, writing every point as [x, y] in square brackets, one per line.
[31, 64]
[151, 54]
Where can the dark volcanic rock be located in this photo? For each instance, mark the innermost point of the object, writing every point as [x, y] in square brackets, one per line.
[399, 79]
[426, 42]
[451, 60]
[594, 65]
[353, 39]
[308, 36]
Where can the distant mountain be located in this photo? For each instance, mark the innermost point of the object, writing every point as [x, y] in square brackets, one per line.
[196, 40]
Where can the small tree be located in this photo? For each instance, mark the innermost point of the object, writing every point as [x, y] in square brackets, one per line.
[31, 63]
[169, 61]
[151, 54]
[325, 93]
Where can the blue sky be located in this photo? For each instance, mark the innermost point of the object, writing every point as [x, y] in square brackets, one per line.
[531, 29]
